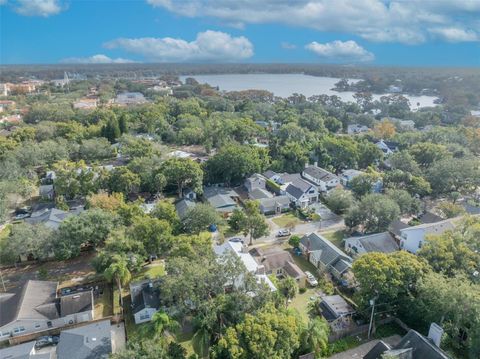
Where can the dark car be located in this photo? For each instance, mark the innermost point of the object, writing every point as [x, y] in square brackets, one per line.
[66, 290]
[46, 341]
[236, 240]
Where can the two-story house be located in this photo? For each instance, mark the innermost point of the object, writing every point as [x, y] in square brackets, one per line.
[412, 238]
[323, 179]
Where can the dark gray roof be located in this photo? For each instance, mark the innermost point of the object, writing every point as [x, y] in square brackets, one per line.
[269, 174]
[220, 197]
[294, 191]
[51, 217]
[147, 296]
[319, 173]
[429, 217]
[341, 265]
[183, 206]
[376, 352]
[92, 341]
[271, 202]
[259, 193]
[396, 226]
[25, 303]
[421, 347]
[379, 242]
[76, 303]
[328, 253]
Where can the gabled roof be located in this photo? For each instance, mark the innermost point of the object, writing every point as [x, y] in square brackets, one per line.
[429, 217]
[76, 303]
[270, 202]
[319, 173]
[294, 191]
[293, 270]
[420, 347]
[259, 193]
[92, 341]
[328, 253]
[51, 217]
[147, 296]
[432, 228]
[220, 197]
[183, 206]
[396, 227]
[379, 242]
[35, 294]
[269, 174]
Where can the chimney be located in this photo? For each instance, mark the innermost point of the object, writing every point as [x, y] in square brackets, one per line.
[315, 164]
[306, 164]
[435, 334]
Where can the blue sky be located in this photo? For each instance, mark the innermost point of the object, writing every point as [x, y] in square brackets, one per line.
[393, 32]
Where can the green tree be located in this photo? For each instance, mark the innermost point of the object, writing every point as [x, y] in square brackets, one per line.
[362, 185]
[294, 241]
[407, 203]
[166, 211]
[122, 180]
[339, 200]
[460, 175]
[26, 240]
[289, 288]
[389, 278]
[268, 334]
[374, 213]
[250, 221]
[74, 179]
[199, 217]
[91, 227]
[155, 234]
[426, 153]
[118, 272]
[315, 337]
[183, 173]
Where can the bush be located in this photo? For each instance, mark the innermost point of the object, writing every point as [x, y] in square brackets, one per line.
[302, 290]
[271, 185]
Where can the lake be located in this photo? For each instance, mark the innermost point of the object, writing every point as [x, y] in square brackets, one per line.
[284, 85]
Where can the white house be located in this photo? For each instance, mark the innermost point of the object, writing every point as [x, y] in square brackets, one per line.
[301, 192]
[241, 251]
[324, 179]
[36, 307]
[412, 238]
[145, 300]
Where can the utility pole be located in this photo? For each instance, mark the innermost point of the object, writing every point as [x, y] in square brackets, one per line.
[372, 303]
[3, 283]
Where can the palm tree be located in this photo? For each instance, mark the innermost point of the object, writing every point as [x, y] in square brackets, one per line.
[118, 272]
[316, 336]
[162, 324]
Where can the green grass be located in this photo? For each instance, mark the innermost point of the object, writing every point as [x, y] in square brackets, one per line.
[286, 220]
[304, 265]
[301, 303]
[336, 237]
[154, 270]
[344, 344]
[104, 304]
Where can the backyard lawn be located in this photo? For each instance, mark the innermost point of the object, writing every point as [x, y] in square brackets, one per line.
[104, 303]
[301, 302]
[153, 270]
[287, 220]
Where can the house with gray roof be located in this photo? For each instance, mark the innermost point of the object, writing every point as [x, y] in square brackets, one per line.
[412, 346]
[221, 198]
[92, 341]
[183, 206]
[325, 256]
[259, 193]
[51, 217]
[301, 192]
[334, 307]
[145, 297]
[323, 179]
[24, 351]
[36, 307]
[274, 205]
[279, 263]
[412, 238]
[255, 181]
[379, 242]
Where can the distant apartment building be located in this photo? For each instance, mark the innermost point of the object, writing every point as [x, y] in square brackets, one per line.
[130, 99]
[86, 104]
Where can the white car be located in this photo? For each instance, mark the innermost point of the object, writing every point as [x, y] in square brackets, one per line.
[311, 279]
[283, 233]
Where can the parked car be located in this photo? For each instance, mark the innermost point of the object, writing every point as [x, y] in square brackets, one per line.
[236, 240]
[311, 279]
[283, 233]
[66, 290]
[46, 341]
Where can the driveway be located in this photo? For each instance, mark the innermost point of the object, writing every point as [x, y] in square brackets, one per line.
[118, 337]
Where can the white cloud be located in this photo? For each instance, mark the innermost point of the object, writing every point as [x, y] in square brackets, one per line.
[288, 46]
[348, 51]
[453, 34]
[375, 20]
[43, 8]
[96, 59]
[208, 46]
